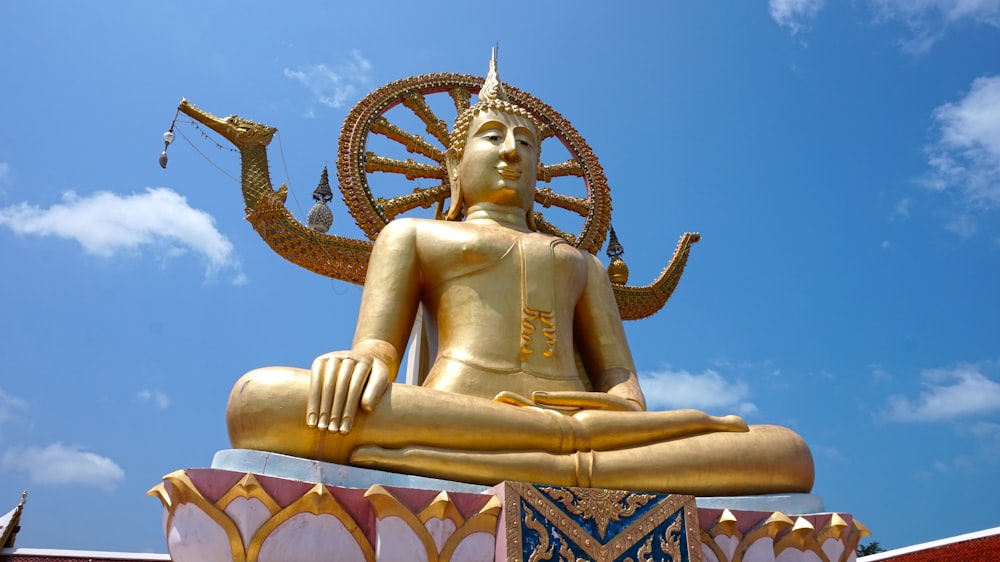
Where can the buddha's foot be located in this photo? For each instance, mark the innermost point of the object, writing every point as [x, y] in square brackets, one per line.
[478, 467]
[732, 423]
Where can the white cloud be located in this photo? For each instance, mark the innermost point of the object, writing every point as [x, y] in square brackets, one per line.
[793, 13]
[107, 224]
[985, 430]
[333, 87]
[948, 394]
[903, 208]
[880, 375]
[9, 405]
[928, 20]
[155, 397]
[987, 453]
[62, 464]
[961, 463]
[965, 160]
[705, 391]
[829, 452]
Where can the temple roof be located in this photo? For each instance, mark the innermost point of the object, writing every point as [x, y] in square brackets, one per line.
[982, 545]
[10, 524]
[52, 555]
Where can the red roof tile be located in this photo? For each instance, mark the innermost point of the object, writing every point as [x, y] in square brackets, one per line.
[984, 545]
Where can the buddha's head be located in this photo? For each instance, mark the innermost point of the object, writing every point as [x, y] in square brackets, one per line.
[494, 153]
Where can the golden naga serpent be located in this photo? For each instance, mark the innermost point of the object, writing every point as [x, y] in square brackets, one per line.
[346, 259]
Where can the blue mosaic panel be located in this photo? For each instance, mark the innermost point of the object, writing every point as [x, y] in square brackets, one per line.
[560, 523]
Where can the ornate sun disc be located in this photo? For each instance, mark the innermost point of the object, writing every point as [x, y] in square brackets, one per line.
[391, 159]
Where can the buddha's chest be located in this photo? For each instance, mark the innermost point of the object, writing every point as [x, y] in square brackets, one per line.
[505, 261]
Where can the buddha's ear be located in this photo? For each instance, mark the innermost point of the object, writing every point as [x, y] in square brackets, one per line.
[452, 160]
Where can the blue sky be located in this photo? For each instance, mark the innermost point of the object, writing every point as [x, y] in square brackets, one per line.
[841, 160]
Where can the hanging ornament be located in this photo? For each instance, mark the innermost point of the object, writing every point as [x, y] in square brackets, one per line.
[320, 217]
[617, 269]
[168, 138]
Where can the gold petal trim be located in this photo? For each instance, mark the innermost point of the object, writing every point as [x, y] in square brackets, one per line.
[485, 521]
[317, 501]
[386, 505]
[178, 488]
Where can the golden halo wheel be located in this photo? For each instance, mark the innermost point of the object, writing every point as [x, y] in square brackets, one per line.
[391, 159]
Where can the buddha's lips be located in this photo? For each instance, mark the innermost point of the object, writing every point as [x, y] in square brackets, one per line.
[509, 173]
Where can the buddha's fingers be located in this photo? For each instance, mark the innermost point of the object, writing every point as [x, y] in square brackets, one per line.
[378, 383]
[512, 398]
[346, 380]
[322, 382]
[354, 374]
[313, 399]
[606, 430]
[584, 400]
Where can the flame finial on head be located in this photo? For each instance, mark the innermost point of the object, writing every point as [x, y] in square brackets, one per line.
[492, 89]
[492, 96]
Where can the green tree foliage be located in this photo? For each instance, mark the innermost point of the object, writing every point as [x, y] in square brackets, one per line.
[870, 548]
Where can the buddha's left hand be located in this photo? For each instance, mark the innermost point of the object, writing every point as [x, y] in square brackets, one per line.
[571, 400]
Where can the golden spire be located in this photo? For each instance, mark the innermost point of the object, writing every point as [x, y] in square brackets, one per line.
[491, 97]
[492, 90]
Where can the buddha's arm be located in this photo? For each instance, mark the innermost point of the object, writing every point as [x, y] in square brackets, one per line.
[392, 291]
[343, 380]
[600, 338]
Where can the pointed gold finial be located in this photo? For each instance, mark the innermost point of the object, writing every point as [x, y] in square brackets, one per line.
[725, 525]
[492, 89]
[492, 97]
[834, 529]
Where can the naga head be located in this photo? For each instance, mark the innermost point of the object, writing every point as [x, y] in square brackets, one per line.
[241, 132]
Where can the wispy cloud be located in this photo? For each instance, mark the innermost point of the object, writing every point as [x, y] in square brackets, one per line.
[985, 430]
[794, 14]
[948, 394]
[831, 453]
[880, 375]
[155, 397]
[705, 391]
[983, 458]
[108, 224]
[4, 173]
[965, 160]
[9, 406]
[902, 208]
[333, 87]
[929, 20]
[64, 464]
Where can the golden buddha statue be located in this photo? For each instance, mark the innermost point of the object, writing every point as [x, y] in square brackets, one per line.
[532, 379]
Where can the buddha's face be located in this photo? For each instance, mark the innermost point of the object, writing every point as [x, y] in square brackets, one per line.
[500, 161]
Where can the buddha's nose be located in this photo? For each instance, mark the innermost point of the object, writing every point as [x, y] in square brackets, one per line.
[508, 150]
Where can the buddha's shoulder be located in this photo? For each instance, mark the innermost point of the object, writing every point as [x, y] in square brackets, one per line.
[424, 233]
[408, 228]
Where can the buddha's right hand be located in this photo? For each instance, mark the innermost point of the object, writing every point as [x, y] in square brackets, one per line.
[339, 382]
